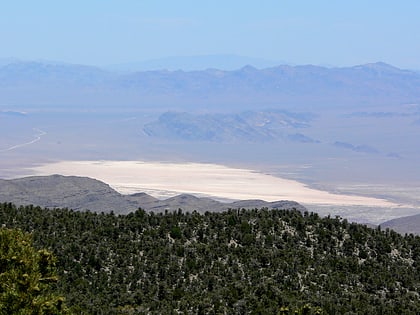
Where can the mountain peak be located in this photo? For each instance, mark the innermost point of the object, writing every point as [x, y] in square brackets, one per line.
[379, 67]
[248, 68]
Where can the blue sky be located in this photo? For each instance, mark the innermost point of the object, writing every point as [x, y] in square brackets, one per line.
[103, 32]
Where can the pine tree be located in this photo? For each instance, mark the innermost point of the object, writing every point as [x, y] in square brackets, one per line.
[25, 277]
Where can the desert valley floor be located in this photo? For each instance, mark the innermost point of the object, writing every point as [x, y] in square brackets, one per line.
[163, 179]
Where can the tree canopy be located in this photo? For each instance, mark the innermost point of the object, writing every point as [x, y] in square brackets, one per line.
[257, 261]
[25, 276]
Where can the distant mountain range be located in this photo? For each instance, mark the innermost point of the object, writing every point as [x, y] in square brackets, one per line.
[82, 193]
[194, 63]
[29, 84]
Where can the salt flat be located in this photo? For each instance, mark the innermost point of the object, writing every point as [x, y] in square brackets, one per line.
[162, 179]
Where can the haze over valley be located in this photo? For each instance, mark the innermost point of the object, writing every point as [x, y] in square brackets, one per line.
[349, 131]
[320, 96]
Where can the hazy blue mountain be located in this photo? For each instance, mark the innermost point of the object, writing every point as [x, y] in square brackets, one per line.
[193, 63]
[6, 61]
[23, 83]
[250, 126]
[16, 74]
[357, 148]
[299, 137]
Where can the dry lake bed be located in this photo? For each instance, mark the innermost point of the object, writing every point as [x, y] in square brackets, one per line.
[163, 180]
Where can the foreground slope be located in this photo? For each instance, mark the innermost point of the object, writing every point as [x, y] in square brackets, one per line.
[254, 261]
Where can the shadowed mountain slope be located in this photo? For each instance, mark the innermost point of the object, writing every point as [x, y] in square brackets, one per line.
[410, 224]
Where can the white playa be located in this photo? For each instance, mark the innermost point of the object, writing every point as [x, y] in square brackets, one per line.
[217, 181]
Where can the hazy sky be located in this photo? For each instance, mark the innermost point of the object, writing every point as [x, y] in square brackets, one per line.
[103, 32]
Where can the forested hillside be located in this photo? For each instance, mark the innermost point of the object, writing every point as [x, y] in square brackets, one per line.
[234, 262]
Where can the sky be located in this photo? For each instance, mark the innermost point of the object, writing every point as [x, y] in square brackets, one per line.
[106, 32]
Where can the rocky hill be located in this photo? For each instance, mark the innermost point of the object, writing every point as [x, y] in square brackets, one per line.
[82, 193]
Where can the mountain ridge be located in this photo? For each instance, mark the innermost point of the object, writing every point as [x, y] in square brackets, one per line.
[84, 193]
[248, 87]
